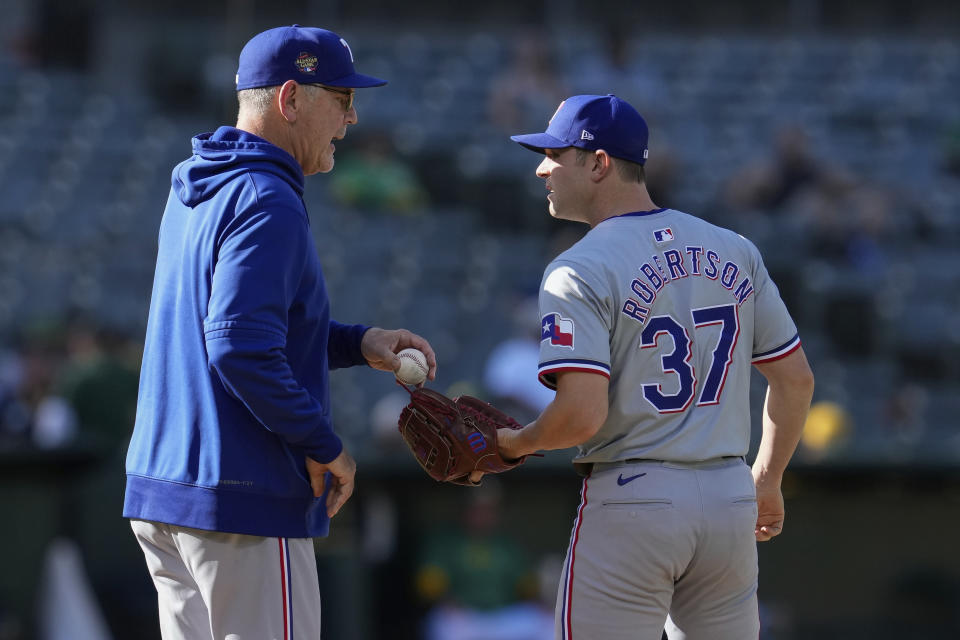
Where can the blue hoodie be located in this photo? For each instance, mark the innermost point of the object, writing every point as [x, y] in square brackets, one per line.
[234, 389]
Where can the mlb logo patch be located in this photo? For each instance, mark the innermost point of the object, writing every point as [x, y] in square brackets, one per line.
[663, 235]
[557, 329]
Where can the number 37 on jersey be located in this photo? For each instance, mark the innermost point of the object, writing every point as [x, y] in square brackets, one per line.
[667, 334]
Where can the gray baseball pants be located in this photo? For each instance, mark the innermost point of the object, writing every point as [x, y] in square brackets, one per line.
[229, 586]
[661, 545]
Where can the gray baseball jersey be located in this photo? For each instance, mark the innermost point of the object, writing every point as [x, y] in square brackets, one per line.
[673, 310]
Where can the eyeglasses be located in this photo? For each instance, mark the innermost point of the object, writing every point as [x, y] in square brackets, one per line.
[344, 96]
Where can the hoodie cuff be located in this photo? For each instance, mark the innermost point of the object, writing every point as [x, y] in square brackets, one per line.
[327, 451]
[343, 345]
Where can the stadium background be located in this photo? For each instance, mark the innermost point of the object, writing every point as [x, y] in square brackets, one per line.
[827, 132]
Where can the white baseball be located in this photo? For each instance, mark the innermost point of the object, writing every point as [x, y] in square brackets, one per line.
[413, 366]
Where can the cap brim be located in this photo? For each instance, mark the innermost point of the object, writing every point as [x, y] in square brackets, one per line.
[540, 141]
[356, 81]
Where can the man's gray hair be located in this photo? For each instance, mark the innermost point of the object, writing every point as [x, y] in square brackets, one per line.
[256, 101]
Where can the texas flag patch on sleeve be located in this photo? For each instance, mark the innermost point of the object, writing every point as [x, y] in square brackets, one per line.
[557, 329]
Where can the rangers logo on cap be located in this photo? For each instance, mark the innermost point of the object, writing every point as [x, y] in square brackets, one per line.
[347, 47]
[557, 111]
[307, 63]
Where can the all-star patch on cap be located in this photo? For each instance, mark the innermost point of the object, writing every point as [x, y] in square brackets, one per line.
[305, 54]
[593, 122]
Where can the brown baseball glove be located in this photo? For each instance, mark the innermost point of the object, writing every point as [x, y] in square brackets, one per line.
[453, 438]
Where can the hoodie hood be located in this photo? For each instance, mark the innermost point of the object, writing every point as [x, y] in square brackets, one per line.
[221, 156]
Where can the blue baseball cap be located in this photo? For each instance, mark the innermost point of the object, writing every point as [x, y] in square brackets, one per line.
[593, 122]
[305, 54]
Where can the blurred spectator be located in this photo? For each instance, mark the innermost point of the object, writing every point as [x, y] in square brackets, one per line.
[480, 583]
[54, 422]
[100, 380]
[31, 411]
[63, 384]
[384, 416]
[848, 221]
[768, 185]
[904, 412]
[529, 85]
[510, 372]
[374, 178]
[613, 67]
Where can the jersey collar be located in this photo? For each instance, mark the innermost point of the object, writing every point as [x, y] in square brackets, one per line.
[635, 214]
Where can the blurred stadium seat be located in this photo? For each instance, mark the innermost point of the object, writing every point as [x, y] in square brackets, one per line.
[84, 170]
